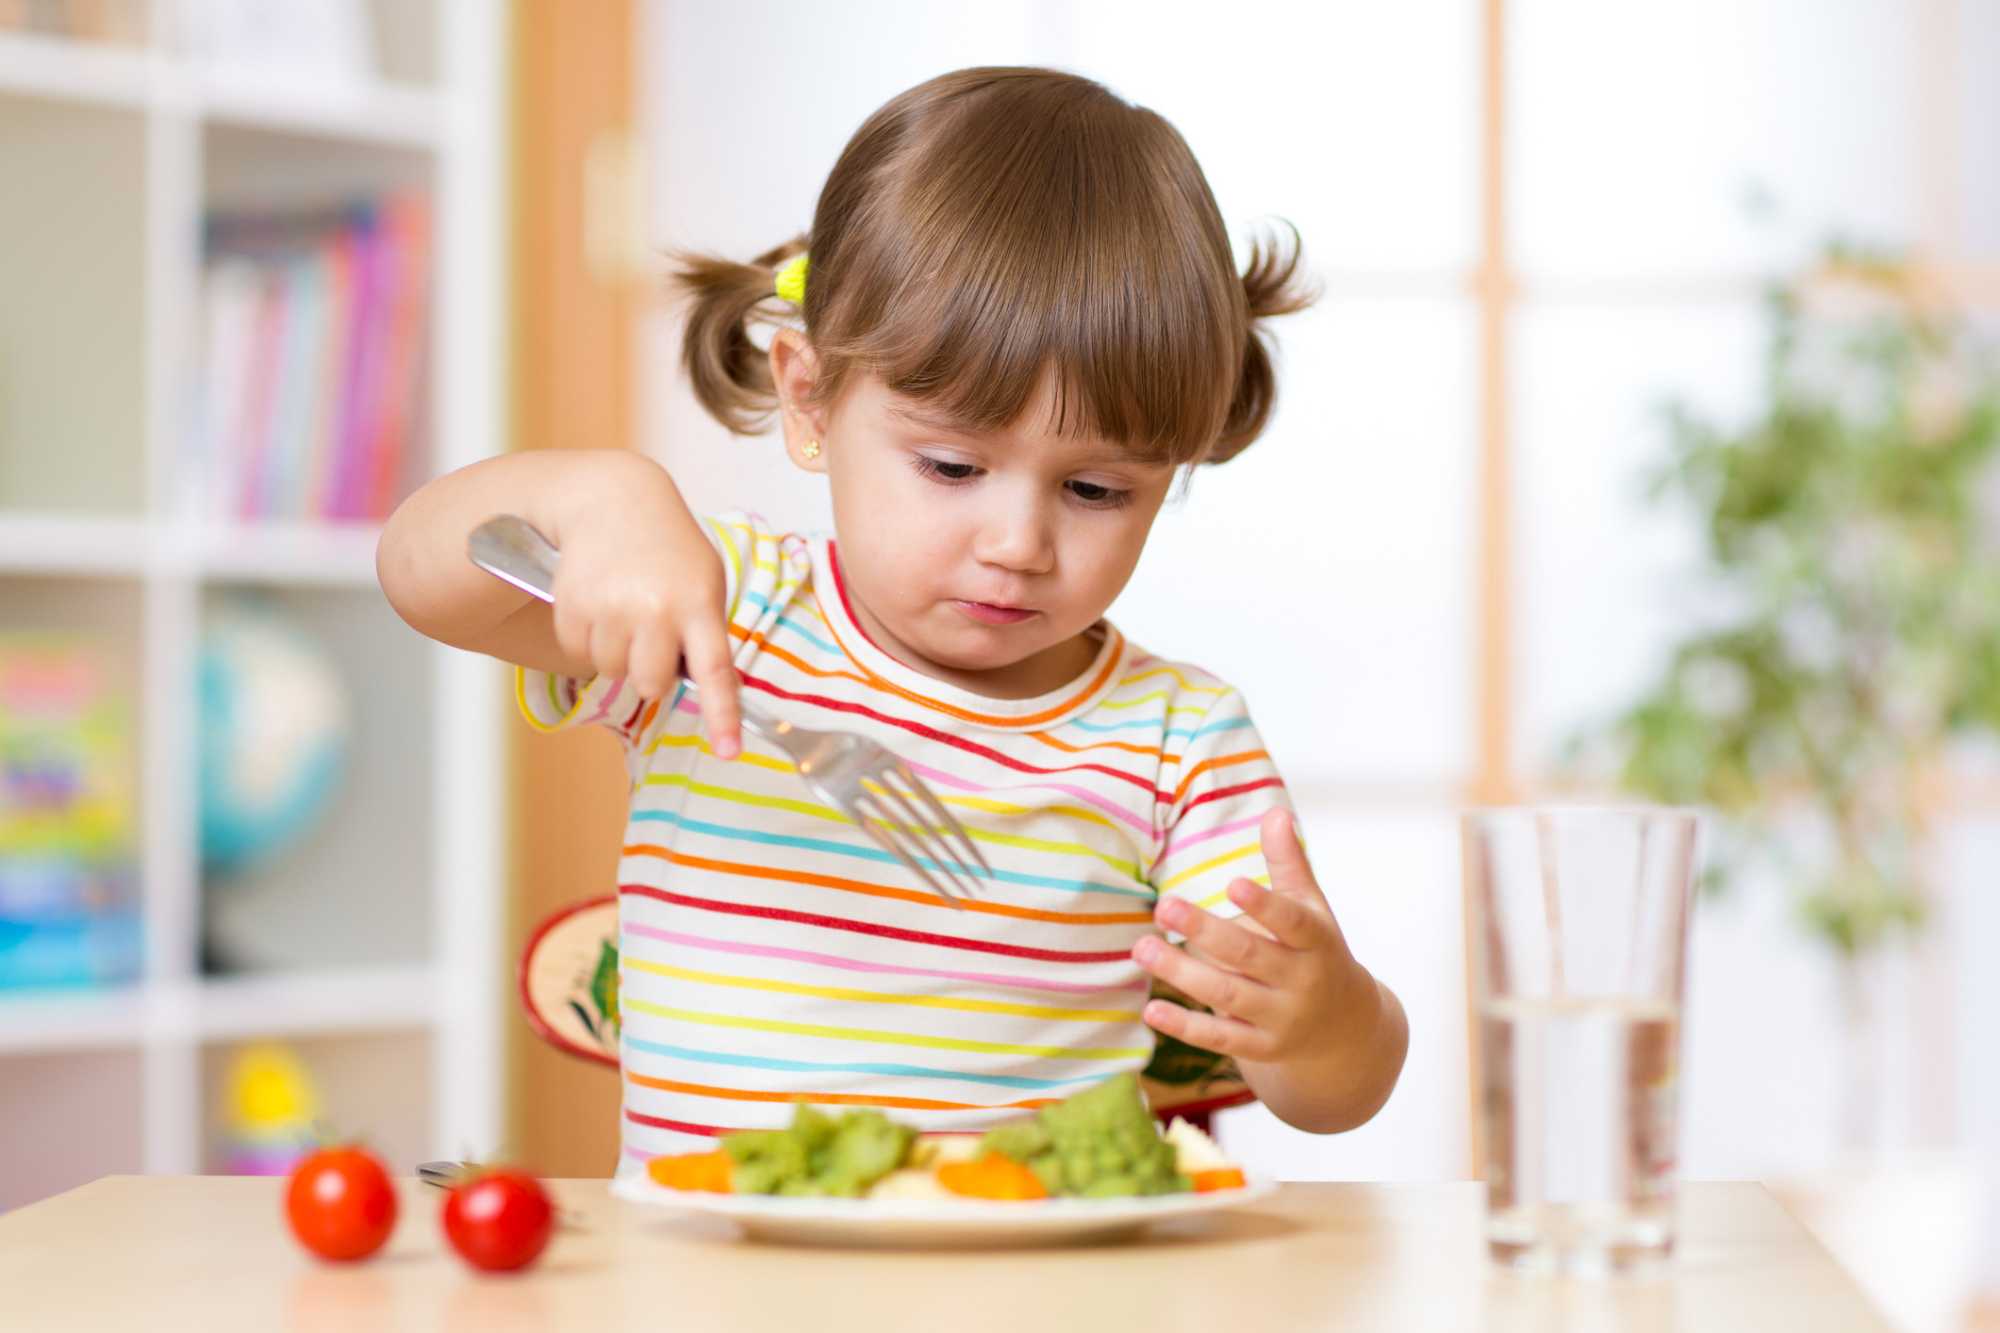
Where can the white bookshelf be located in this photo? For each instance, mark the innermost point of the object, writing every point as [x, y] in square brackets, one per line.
[375, 948]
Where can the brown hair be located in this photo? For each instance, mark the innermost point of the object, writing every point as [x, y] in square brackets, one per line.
[993, 224]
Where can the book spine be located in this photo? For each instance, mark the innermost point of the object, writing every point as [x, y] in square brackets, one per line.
[364, 352]
[253, 440]
[411, 227]
[329, 406]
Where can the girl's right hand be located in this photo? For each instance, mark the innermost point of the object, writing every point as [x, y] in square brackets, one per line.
[639, 592]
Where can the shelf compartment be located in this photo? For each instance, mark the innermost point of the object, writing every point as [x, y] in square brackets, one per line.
[72, 326]
[249, 167]
[397, 46]
[317, 309]
[355, 889]
[81, 1113]
[375, 1089]
[71, 861]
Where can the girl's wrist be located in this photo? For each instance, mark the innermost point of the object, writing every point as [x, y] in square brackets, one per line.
[1356, 1014]
[1341, 1079]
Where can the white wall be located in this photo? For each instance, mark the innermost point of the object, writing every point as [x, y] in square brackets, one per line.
[1631, 140]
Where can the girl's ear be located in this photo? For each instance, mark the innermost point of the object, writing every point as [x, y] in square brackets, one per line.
[794, 369]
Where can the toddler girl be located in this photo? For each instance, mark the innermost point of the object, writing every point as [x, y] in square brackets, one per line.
[1015, 319]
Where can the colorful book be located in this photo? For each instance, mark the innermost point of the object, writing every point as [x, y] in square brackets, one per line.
[315, 341]
[410, 232]
[231, 291]
[327, 406]
[252, 448]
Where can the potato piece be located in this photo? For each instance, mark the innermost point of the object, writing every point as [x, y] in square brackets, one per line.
[919, 1184]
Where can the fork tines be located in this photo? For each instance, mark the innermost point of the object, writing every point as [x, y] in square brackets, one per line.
[889, 817]
[947, 823]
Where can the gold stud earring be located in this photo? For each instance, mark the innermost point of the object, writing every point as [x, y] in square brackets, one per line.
[811, 450]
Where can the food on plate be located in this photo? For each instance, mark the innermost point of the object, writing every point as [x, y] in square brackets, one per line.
[498, 1220]
[991, 1177]
[340, 1203]
[707, 1172]
[1100, 1143]
[1201, 1161]
[917, 1178]
[818, 1154]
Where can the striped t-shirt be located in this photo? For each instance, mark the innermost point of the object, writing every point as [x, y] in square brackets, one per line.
[771, 952]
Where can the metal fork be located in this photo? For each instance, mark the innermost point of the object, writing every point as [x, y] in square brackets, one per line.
[853, 774]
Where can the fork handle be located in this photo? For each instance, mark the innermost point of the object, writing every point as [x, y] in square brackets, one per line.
[508, 547]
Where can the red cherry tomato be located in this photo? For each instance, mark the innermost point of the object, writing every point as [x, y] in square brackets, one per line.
[340, 1203]
[499, 1220]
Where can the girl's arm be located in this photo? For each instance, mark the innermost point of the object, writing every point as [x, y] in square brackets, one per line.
[638, 590]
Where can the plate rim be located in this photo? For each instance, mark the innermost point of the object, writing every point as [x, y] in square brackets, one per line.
[969, 1213]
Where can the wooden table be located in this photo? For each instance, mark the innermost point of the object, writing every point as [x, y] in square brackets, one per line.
[212, 1253]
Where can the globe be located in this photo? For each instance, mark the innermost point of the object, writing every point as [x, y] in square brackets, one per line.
[274, 731]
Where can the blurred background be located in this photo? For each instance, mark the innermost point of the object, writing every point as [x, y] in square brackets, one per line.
[1639, 445]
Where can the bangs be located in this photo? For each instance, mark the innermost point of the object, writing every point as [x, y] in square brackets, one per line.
[1091, 259]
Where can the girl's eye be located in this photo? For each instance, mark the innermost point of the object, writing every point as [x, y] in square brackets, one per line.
[1098, 497]
[938, 469]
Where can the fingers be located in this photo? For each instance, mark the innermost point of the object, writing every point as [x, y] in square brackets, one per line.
[1226, 1036]
[1294, 923]
[714, 675]
[572, 626]
[1229, 944]
[655, 663]
[1224, 991]
[1285, 855]
[611, 648]
[646, 641]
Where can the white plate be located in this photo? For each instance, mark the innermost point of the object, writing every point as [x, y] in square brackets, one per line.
[913, 1222]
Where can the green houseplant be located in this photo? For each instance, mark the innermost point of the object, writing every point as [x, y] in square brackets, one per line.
[1851, 581]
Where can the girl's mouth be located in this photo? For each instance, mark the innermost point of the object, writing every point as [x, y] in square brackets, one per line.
[987, 614]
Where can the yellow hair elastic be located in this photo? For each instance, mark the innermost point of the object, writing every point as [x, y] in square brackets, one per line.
[791, 280]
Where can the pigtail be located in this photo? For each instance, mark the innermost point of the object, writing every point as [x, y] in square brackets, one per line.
[730, 372]
[1272, 286]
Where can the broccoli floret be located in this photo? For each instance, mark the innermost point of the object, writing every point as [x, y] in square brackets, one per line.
[1023, 1141]
[1100, 1143]
[762, 1160]
[865, 1146]
[818, 1154]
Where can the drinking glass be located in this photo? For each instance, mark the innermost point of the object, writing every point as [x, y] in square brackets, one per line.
[1578, 925]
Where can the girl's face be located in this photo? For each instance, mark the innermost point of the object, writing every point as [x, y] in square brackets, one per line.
[978, 558]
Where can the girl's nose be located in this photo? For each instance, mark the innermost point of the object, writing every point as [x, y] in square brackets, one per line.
[1018, 537]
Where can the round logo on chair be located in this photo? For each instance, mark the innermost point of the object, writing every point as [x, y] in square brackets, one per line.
[569, 980]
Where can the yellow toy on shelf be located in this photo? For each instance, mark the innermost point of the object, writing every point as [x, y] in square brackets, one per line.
[272, 1105]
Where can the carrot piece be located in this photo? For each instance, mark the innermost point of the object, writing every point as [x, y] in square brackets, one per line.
[706, 1172]
[991, 1177]
[1221, 1178]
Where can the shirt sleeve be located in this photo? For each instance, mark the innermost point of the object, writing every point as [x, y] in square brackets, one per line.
[554, 702]
[1224, 785]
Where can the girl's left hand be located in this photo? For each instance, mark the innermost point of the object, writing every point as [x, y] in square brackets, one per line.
[1274, 997]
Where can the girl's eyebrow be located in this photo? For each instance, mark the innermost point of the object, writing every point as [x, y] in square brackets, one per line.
[916, 416]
